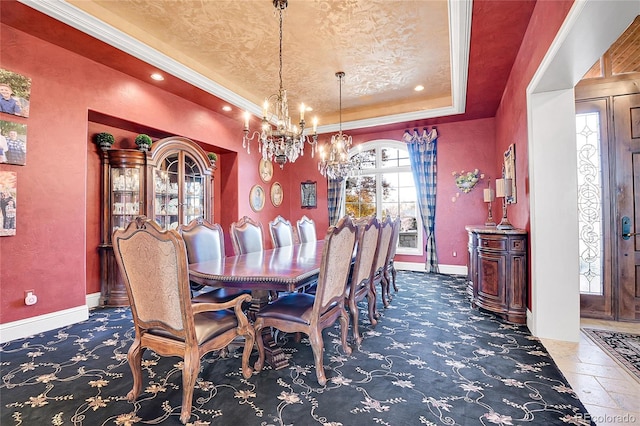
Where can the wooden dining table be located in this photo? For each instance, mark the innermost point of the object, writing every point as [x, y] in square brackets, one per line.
[282, 269]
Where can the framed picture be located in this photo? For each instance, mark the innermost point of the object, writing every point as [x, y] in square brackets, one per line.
[308, 194]
[266, 170]
[8, 202]
[256, 198]
[15, 90]
[510, 171]
[276, 194]
[13, 143]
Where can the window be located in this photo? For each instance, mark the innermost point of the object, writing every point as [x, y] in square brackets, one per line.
[384, 187]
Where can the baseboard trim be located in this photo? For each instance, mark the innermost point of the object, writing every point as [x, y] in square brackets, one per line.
[93, 300]
[419, 267]
[41, 323]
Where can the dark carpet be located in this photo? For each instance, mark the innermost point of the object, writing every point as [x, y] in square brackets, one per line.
[431, 360]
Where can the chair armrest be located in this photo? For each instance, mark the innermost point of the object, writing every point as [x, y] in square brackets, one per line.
[236, 304]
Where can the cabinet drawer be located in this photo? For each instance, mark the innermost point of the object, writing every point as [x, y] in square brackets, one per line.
[492, 243]
[518, 245]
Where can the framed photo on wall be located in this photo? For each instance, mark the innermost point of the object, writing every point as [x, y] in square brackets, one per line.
[15, 90]
[510, 171]
[13, 143]
[256, 198]
[266, 170]
[8, 203]
[276, 194]
[308, 195]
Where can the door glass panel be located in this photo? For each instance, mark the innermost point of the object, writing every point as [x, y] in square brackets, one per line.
[589, 203]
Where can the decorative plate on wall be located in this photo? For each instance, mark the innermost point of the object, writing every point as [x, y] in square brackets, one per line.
[276, 194]
[266, 170]
[256, 198]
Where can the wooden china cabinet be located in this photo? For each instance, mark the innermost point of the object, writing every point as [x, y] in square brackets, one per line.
[498, 272]
[172, 183]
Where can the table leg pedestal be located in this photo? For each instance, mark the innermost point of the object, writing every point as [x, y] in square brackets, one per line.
[274, 355]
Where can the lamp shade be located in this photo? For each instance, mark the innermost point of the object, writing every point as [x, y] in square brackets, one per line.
[489, 195]
[503, 187]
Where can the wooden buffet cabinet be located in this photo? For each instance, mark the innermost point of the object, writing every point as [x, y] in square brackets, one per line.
[498, 276]
[172, 183]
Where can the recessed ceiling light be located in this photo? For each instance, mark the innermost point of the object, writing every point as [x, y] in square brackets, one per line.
[419, 88]
[226, 108]
[157, 77]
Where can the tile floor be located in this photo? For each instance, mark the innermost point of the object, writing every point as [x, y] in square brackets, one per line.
[610, 394]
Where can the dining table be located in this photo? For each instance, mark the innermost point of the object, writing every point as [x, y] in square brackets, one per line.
[265, 273]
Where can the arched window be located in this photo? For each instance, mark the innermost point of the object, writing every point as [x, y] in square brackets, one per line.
[384, 186]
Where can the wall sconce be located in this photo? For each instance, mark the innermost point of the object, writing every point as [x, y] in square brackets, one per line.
[503, 190]
[489, 196]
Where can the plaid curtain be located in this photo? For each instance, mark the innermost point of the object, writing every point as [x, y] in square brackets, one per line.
[335, 194]
[423, 154]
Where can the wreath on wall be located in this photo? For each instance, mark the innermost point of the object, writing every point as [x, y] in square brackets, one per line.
[467, 180]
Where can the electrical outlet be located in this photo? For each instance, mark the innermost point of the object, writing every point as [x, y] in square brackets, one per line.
[30, 298]
[455, 253]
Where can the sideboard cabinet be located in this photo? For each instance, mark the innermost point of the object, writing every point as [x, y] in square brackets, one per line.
[172, 183]
[498, 275]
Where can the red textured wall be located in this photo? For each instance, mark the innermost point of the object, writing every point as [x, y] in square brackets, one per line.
[54, 251]
[511, 117]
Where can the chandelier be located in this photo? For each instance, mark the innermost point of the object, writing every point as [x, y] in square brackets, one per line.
[284, 141]
[335, 164]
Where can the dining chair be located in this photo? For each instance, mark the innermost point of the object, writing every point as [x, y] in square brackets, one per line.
[386, 229]
[391, 254]
[360, 282]
[305, 313]
[153, 264]
[281, 232]
[205, 241]
[246, 236]
[306, 230]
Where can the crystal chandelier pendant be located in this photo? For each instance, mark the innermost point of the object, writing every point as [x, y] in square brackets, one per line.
[335, 163]
[279, 140]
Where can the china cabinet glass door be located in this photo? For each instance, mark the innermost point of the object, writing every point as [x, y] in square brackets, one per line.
[125, 195]
[180, 190]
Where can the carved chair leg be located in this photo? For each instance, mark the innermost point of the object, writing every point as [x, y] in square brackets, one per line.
[134, 356]
[353, 309]
[371, 304]
[317, 344]
[249, 337]
[258, 331]
[344, 329]
[189, 375]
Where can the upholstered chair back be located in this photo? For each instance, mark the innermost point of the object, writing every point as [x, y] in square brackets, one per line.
[247, 236]
[153, 264]
[393, 241]
[336, 264]
[281, 232]
[306, 230]
[386, 229]
[369, 235]
[204, 240]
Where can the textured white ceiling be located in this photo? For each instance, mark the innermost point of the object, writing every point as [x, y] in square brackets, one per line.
[385, 47]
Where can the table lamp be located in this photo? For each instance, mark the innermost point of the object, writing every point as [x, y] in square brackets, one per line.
[489, 196]
[503, 189]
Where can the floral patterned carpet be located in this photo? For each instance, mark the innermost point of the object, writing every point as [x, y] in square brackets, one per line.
[431, 360]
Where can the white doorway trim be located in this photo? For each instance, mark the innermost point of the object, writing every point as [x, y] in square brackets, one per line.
[588, 31]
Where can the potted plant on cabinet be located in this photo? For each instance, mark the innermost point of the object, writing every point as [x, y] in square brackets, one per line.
[104, 140]
[144, 142]
[213, 159]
